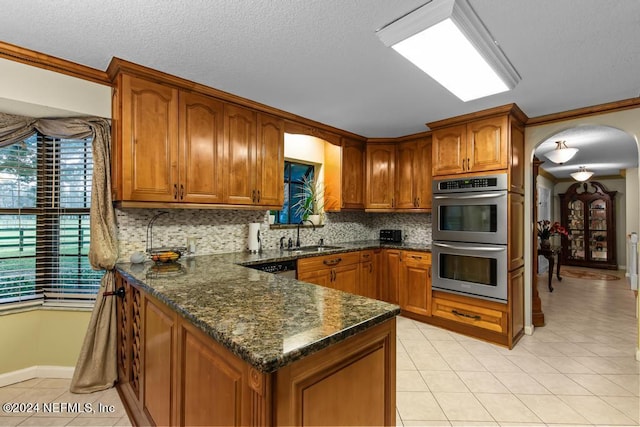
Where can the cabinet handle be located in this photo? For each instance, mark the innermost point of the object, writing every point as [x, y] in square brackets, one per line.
[253, 196]
[416, 257]
[181, 192]
[393, 202]
[418, 204]
[366, 255]
[330, 262]
[468, 164]
[258, 196]
[469, 316]
[370, 268]
[429, 273]
[175, 191]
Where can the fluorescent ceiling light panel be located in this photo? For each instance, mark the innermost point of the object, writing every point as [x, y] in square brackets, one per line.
[447, 40]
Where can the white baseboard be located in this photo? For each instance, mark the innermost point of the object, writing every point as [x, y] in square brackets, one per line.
[528, 329]
[36, 372]
[638, 355]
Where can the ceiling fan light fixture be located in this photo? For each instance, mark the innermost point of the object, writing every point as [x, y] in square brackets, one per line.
[562, 153]
[447, 40]
[582, 175]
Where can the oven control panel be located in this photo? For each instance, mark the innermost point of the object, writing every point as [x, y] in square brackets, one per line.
[476, 183]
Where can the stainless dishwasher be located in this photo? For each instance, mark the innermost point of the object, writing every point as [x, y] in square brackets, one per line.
[281, 268]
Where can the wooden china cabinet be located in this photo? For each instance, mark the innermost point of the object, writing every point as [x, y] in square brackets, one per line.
[588, 214]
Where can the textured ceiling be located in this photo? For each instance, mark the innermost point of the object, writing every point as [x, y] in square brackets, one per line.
[321, 59]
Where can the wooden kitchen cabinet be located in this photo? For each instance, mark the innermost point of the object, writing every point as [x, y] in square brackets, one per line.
[413, 178]
[255, 156]
[390, 278]
[485, 141]
[353, 174]
[415, 283]
[338, 271]
[380, 172]
[148, 154]
[477, 146]
[202, 178]
[368, 280]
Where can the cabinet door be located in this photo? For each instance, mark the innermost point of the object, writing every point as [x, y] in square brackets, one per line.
[346, 278]
[406, 175]
[240, 131]
[380, 184]
[415, 283]
[449, 150]
[270, 161]
[353, 166]
[368, 280]
[423, 173]
[202, 176]
[390, 276]
[487, 144]
[158, 361]
[317, 277]
[149, 141]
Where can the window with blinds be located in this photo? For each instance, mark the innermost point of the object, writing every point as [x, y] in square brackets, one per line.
[45, 196]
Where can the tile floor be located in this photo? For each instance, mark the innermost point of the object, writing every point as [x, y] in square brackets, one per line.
[577, 370]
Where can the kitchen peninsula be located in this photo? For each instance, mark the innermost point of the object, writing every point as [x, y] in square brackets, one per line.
[209, 342]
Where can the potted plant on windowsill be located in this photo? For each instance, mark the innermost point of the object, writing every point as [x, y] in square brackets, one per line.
[310, 201]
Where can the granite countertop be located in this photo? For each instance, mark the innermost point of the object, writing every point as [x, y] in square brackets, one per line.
[267, 320]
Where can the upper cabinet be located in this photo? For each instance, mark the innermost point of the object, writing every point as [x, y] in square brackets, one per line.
[487, 141]
[399, 175]
[174, 147]
[353, 174]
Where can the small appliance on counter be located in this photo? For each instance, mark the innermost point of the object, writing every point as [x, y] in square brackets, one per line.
[394, 236]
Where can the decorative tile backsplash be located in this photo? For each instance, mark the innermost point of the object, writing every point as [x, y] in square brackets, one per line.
[219, 231]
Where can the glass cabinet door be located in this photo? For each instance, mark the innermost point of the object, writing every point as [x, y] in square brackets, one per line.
[576, 230]
[598, 230]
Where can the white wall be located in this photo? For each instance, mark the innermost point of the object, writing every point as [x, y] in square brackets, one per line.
[36, 92]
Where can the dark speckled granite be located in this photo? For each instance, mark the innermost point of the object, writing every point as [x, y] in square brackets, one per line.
[267, 320]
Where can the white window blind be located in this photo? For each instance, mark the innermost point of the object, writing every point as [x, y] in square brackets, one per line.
[45, 196]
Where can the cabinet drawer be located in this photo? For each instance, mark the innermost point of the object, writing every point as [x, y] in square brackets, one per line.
[474, 314]
[419, 257]
[328, 261]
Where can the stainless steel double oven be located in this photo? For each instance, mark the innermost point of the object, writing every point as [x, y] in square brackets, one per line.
[470, 236]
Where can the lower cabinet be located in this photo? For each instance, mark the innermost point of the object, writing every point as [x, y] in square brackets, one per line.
[415, 283]
[390, 277]
[171, 373]
[368, 280]
[337, 271]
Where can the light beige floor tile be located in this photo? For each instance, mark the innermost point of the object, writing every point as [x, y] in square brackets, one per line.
[79, 421]
[446, 348]
[572, 349]
[630, 382]
[513, 424]
[409, 334]
[463, 362]
[567, 365]
[436, 334]
[520, 383]
[479, 348]
[551, 409]
[418, 406]
[531, 363]
[427, 423]
[410, 381]
[55, 383]
[597, 411]
[6, 421]
[429, 362]
[404, 363]
[9, 394]
[497, 363]
[540, 348]
[628, 405]
[462, 407]
[599, 385]
[421, 346]
[506, 407]
[482, 382]
[602, 365]
[475, 423]
[33, 382]
[628, 364]
[123, 422]
[405, 323]
[443, 381]
[560, 384]
[46, 421]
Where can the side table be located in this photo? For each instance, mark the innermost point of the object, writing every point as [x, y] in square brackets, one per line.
[549, 255]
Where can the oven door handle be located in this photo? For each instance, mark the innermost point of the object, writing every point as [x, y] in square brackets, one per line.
[470, 248]
[471, 196]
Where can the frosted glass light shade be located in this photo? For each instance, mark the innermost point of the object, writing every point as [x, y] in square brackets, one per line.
[562, 153]
[582, 175]
[447, 40]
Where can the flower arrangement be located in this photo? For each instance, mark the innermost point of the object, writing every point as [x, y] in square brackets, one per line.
[547, 229]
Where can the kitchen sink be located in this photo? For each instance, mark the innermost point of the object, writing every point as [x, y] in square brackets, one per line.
[315, 248]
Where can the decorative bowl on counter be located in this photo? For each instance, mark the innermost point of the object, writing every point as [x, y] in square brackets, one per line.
[166, 255]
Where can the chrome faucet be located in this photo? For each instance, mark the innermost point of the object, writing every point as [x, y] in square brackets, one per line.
[301, 223]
